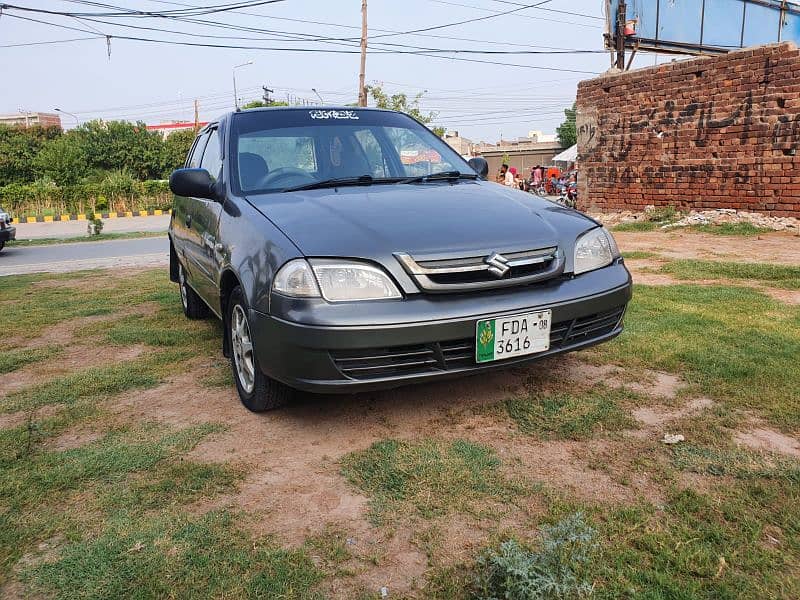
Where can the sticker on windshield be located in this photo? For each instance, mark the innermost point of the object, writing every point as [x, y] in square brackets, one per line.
[333, 114]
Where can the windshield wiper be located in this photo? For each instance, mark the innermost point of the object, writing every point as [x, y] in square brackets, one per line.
[335, 182]
[444, 175]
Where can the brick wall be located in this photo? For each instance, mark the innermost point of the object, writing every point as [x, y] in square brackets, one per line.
[720, 132]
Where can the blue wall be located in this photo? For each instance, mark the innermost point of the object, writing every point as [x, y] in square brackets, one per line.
[728, 24]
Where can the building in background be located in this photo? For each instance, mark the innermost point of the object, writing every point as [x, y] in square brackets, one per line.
[166, 128]
[31, 119]
[460, 144]
[539, 137]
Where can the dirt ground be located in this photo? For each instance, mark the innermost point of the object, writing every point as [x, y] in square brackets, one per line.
[777, 248]
[291, 456]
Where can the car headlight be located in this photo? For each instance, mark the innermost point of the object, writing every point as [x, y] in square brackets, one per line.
[334, 280]
[595, 249]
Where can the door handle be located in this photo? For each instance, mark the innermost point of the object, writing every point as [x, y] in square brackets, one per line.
[188, 220]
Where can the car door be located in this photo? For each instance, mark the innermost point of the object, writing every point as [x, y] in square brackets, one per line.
[182, 213]
[204, 225]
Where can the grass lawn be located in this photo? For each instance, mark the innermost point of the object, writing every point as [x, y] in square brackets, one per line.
[783, 276]
[539, 483]
[88, 238]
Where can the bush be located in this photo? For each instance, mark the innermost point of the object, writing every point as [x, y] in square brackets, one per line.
[117, 191]
[551, 573]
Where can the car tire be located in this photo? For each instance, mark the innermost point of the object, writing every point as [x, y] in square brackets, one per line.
[193, 305]
[2, 245]
[257, 392]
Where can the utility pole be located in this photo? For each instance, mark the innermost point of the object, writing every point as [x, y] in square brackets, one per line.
[196, 115]
[265, 97]
[620, 41]
[362, 91]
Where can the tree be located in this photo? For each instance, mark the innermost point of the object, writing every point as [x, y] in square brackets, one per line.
[63, 160]
[176, 148]
[18, 147]
[567, 134]
[119, 145]
[262, 104]
[400, 102]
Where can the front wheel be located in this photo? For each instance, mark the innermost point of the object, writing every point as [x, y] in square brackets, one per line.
[256, 391]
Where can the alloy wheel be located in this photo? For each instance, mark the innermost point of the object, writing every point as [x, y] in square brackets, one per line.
[242, 349]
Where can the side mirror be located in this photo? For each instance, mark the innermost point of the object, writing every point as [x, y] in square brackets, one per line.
[479, 165]
[192, 183]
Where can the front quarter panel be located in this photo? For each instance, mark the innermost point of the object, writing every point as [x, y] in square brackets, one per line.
[254, 249]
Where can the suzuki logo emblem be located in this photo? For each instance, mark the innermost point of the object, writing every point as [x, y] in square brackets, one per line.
[498, 264]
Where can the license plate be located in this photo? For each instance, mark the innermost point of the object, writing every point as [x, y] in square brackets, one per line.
[507, 337]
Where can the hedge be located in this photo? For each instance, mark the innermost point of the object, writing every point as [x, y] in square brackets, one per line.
[47, 198]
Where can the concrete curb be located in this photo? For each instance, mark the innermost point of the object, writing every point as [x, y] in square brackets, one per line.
[105, 215]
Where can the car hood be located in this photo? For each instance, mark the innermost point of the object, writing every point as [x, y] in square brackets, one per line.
[423, 220]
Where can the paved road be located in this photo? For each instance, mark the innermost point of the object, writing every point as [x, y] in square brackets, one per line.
[65, 229]
[61, 258]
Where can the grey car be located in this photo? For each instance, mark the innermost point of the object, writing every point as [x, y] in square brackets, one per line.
[352, 249]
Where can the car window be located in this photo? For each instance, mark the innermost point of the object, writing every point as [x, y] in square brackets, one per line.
[282, 149]
[212, 161]
[373, 152]
[416, 154]
[197, 152]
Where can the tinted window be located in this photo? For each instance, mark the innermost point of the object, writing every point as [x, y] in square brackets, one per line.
[212, 161]
[197, 152]
[279, 149]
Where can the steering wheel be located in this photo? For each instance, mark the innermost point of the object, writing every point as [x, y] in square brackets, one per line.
[285, 173]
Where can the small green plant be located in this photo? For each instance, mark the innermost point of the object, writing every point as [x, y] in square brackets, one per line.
[555, 571]
[662, 214]
[94, 225]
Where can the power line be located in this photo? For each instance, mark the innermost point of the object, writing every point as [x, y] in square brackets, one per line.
[421, 52]
[549, 9]
[48, 42]
[312, 38]
[195, 11]
[379, 30]
[492, 16]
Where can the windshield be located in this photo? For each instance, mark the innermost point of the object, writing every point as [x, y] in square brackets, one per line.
[274, 151]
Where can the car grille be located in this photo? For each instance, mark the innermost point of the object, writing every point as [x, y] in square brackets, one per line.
[377, 363]
[485, 271]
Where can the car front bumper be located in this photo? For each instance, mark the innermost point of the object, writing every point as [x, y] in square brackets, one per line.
[417, 344]
[8, 233]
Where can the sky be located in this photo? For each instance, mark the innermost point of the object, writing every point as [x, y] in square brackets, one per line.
[158, 82]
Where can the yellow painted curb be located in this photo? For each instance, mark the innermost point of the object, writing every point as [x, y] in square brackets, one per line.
[128, 214]
[112, 215]
[30, 219]
[48, 219]
[157, 212]
[98, 215]
[142, 213]
[81, 217]
[63, 218]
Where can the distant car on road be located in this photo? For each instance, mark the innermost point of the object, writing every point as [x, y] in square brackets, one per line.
[7, 231]
[352, 249]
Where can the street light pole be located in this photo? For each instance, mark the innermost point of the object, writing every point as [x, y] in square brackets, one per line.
[235, 94]
[77, 121]
[321, 101]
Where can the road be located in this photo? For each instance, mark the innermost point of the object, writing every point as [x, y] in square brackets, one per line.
[66, 229]
[62, 258]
